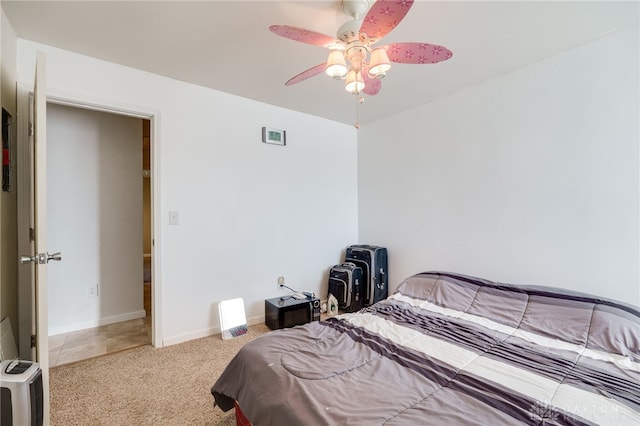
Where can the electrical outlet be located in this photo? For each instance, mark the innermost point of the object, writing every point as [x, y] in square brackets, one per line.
[281, 280]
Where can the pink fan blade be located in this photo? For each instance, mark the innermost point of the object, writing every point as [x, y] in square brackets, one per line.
[371, 85]
[311, 72]
[306, 36]
[417, 53]
[384, 16]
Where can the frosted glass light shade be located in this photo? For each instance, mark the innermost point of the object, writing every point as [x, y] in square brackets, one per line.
[336, 65]
[379, 64]
[354, 84]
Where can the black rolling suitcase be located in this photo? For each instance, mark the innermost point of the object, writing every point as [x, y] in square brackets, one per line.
[375, 274]
[346, 285]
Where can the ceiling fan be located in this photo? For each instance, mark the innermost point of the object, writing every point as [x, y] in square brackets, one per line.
[354, 55]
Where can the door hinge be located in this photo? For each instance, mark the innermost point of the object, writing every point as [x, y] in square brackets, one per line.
[32, 234]
[30, 129]
[33, 340]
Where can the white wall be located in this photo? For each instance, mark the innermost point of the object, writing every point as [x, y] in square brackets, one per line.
[248, 211]
[94, 217]
[532, 177]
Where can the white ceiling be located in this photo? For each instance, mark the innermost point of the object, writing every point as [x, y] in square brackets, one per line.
[227, 45]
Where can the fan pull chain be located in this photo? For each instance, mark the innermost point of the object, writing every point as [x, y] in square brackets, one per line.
[357, 125]
[359, 100]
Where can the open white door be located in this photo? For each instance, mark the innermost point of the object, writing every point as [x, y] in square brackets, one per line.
[40, 209]
[26, 226]
[41, 257]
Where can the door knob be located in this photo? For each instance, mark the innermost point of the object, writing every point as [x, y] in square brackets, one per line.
[27, 259]
[41, 258]
[57, 256]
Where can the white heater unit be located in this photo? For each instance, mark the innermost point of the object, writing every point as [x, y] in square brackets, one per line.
[20, 393]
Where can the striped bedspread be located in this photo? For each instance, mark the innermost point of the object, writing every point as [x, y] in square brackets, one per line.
[448, 349]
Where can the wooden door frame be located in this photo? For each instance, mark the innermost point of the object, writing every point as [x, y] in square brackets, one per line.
[112, 107]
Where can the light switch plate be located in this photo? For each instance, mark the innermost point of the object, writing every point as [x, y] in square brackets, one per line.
[174, 217]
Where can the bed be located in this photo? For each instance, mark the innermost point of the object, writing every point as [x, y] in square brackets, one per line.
[447, 349]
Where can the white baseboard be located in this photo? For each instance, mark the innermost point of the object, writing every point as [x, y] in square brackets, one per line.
[174, 340]
[53, 331]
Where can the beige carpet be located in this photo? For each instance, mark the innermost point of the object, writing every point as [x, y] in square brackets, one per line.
[146, 386]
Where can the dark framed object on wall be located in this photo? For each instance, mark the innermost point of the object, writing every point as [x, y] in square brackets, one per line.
[6, 151]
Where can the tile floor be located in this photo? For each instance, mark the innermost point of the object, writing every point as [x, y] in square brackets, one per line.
[83, 344]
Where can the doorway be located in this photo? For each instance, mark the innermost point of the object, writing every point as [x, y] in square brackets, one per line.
[147, 239]
[98, 180]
